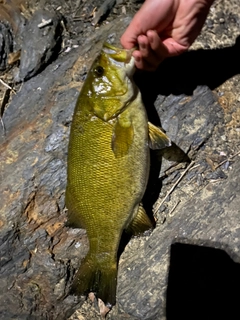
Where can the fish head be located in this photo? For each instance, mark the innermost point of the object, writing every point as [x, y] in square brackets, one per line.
[110, 84]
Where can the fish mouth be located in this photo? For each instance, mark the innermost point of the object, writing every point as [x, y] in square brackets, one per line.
[120, 57]
[118, 54]
[123, 60]
[130, 67]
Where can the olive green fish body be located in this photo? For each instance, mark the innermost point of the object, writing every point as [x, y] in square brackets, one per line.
[108, 167]
[100, 182]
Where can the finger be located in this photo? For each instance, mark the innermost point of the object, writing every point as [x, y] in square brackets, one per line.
[142, 63]
[144, 59]
[143, 44]
[157, 46]
[147, 53]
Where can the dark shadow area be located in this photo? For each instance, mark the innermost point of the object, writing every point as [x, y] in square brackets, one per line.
[182, 74]
[173, 153]
[154, 184]
[203, 283]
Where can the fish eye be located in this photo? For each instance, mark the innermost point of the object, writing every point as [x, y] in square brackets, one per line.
[99, 71]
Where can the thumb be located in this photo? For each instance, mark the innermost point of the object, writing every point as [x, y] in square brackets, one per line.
[174, 48]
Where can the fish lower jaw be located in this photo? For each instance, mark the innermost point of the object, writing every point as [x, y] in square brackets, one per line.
[130, 67]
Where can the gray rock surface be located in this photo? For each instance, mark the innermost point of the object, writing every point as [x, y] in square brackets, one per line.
[12, 22]
[6, 44]
[41, 43]
[212, 209]
[198, 108]
[33, 177]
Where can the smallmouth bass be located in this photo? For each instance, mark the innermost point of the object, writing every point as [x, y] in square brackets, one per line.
[108, 167]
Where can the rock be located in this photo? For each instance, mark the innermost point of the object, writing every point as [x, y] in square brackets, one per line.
[184, 119]
[41, 43]
[210, 219]
[6, 44]
[105, 8]
[32, 216]
[12, 23]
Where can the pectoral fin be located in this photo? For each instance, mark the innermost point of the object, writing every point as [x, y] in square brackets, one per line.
[140, 223]
[157, 138]
[122, 138]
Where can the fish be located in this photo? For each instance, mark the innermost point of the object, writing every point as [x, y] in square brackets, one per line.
[108, 167]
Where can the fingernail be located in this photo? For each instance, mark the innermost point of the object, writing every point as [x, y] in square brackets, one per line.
[150, 35]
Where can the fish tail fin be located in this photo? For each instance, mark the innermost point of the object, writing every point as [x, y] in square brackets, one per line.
[108, 286]
[92, 277]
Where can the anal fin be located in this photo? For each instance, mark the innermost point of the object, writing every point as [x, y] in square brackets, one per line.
[140, 222]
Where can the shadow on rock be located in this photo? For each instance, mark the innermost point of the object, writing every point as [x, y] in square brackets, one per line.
[182, 74]
[173, 153]
[202, 284]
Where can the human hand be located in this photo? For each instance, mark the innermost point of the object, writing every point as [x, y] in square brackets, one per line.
[164, 28]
